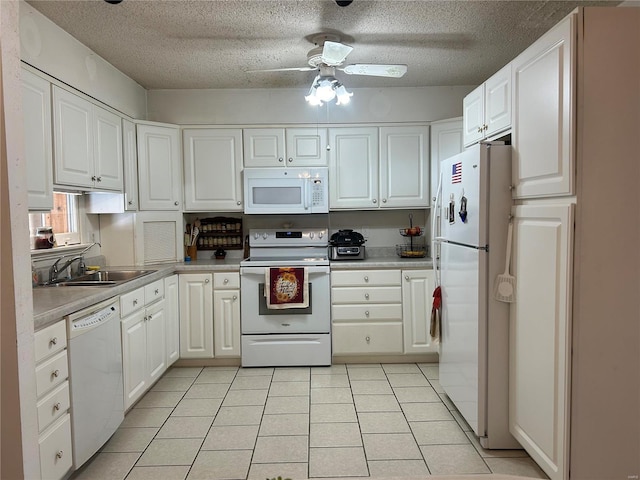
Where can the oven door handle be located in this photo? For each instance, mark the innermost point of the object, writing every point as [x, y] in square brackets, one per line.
[260, 270]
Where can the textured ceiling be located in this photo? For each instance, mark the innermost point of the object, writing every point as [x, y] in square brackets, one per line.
[213, 43]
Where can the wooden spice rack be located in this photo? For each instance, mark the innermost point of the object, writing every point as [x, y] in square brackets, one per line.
[220, 232]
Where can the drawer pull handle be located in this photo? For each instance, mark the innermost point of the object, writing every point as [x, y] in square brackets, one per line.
[366, 314]
[53, 341]
[366, 295]
[55, 373]
[226, 280]
[368, 339]
[57, 406]
[59, 454]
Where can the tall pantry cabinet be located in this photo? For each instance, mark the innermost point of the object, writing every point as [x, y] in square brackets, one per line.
[575, 366]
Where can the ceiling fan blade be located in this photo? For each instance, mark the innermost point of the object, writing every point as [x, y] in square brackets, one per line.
[292, 69]
[395, 71]
[334, 53]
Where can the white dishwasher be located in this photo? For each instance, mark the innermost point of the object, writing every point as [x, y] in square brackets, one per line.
[95, 372]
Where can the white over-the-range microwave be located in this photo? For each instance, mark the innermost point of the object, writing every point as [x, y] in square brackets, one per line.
[293, 190]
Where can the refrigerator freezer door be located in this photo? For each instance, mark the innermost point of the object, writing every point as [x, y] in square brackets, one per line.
[463, 345]
[464, 203]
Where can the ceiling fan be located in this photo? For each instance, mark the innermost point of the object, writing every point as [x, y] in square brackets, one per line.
[329, 55]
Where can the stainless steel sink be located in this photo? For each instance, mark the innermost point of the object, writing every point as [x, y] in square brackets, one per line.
[103, 278]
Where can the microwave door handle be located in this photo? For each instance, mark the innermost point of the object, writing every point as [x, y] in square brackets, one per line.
[305, 192]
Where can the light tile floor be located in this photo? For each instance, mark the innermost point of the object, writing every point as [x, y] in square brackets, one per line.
[373, 420]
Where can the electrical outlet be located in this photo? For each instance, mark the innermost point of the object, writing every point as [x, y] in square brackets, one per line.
[365, 232]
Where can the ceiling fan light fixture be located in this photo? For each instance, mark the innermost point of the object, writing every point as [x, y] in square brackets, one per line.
[343, 97]
[326, 89]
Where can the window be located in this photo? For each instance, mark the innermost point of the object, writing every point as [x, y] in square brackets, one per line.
[63, 219]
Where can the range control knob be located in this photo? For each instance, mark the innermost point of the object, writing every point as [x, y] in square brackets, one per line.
[256, 235]
[265, 235]
[311, 234]
[321, 234]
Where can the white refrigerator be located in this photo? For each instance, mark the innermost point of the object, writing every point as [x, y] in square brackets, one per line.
[473, 206]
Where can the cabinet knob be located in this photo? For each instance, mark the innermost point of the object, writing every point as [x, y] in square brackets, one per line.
[366, 279]
[156, 291]
[238, 202]
[479, 129]
[485, 127]
[384, 200]
[281, 159]
[53, 341]
[368, 339]
[150, 317]
[375, 201]
[99, 179]
[206, 280]
[176, 203]
[406, 277]
[366, 295]
[57, 406]
[130, 202]
[59, 454]
[93, 178]
[135, 302]
[235, 297]
[55, 373]
[225, 281]
[290, 159]
[366, 314]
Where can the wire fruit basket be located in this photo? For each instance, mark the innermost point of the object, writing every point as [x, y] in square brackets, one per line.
[414, 246]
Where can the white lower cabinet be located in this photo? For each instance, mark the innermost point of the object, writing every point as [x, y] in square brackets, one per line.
[196, 315]
[172, 317]
[53, 402]
[366, 312]
[143, 341]
[226, 314]
[417, 299]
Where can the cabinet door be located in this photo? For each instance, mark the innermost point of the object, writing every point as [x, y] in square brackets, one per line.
[473, 116]
[156, 341]
[134, 357]
[226, 323]
[353, 168]
[306, 147]
[36, 110]
[212, 169]
[446, 141]
[73, 139]
[544, 115]
[417, 299]
[196, 315]
[540, 334]
[172, 319]
[497, 102]
[107, 148]
[404, 167]
[264, 147]
[159, 172]
[130, 161]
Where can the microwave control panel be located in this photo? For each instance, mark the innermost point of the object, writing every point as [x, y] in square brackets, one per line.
[317, 193]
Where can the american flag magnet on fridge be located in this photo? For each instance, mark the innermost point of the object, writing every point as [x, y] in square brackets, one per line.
[456, 173]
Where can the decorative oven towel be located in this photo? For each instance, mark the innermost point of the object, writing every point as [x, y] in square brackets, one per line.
[287, 287]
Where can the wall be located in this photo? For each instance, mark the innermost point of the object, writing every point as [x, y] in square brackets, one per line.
[47, 47]
[272, 106]
[19, 433]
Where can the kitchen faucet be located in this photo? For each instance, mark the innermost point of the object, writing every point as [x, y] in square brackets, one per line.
[54, 270]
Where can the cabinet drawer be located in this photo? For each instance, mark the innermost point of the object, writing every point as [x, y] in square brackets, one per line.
[367, 338]
[55, 450]
[226, 280]
[132, 301]
[366, 295]
[51, 373]
[365, 313]
[53, 406]
[50, 340]
[358, 278]
[153, 291]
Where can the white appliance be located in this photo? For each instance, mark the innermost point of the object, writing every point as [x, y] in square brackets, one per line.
[293, 190]
[474, 204]
[293, 336]
[95, 369]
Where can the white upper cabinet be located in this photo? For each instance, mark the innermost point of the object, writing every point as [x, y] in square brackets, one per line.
[36, 109]
[88, 143]
[446, 141]
[353, 168]
[212, 169]
[544, 111]
[487, 109]
[280, 147]
[159, 167]
[130, 159]
[404, 167]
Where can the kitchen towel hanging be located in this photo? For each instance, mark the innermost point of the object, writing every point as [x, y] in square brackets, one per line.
[288, 287]
[434, 328]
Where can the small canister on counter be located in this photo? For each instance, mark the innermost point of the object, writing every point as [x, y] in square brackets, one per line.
[44, 238]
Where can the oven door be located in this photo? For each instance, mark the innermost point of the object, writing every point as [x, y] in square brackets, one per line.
[258, 319]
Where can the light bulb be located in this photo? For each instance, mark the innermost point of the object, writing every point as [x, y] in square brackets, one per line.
[325, 90]
[343, 96]
[313, 100]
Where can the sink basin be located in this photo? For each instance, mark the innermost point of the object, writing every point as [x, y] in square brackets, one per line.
[102, 278]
